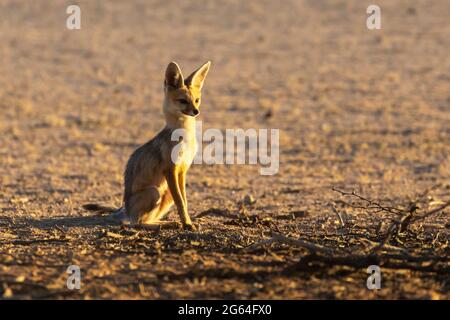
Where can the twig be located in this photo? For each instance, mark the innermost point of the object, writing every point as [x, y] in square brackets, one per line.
[386, 238]
[431, 212]
[407, 219]
[371, 203]
[341, 219]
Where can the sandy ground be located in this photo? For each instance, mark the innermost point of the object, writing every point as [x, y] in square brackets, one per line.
[357, 109]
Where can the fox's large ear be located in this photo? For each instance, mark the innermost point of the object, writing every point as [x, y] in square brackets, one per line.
[197, 77]
[174, 78]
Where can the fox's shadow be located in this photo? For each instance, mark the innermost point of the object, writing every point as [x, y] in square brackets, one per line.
[58, 221]
[87, 221]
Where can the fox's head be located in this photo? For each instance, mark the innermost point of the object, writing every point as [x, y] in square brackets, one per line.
[183, 96]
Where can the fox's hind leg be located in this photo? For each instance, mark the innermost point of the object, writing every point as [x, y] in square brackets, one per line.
[148, 207]
[165, 205]
[143, 204]
[153, 220]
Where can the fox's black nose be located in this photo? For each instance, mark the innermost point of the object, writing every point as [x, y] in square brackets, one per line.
[196, 112]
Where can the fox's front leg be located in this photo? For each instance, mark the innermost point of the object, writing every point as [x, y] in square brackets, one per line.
[182, 185]
[172, 177]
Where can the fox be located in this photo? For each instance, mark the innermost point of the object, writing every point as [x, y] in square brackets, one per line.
[153, 179]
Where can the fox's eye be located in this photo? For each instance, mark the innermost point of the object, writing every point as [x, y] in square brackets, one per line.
[183, 101]
[197, 100]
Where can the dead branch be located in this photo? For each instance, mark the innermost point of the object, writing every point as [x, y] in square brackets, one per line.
[398, 226]
[431, 212]
[330, 257]
[375, 255]
[371, 204]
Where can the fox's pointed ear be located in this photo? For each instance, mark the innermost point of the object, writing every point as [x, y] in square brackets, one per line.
[174, 78]
[197, 77]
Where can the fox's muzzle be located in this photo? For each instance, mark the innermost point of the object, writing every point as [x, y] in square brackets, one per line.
[192, 113]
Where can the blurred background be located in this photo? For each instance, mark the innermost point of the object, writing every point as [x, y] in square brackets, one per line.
[357, 108]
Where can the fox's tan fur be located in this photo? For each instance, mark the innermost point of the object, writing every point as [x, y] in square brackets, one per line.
[153, 181]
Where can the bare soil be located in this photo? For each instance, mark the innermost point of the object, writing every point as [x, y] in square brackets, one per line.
[359, 110]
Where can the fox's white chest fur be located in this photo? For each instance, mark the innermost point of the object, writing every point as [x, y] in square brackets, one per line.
[183, 153]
